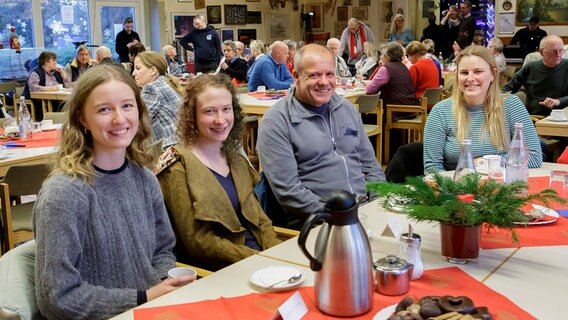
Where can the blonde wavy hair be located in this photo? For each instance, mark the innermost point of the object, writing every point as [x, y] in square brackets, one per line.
[154, 59]
[187, 130]
[493, 104]
[393, 28]
[75, 156]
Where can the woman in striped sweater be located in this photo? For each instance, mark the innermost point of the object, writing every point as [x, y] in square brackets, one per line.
[476, 111]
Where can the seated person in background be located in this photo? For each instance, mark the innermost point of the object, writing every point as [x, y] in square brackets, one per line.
[270, 70]
[104, 56]
[256, 51]
[479, 112]
[533, 56]
[174, 67]
[47, 77]
[398, 32]
[161, 93]
[545, 81]
[302, 159]
[393, 78]
[341, 69]
[240, 49]
[368, 62]
[80, 64]
[104, 241]
[431, 54]
[423, 72]
[133, 51]
[208, 185]
[495, 45]
[233, 66]
[291, 52]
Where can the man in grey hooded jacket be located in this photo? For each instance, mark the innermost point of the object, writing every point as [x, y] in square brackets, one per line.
[312, 142]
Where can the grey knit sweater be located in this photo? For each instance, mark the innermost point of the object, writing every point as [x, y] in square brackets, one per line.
[97, 245]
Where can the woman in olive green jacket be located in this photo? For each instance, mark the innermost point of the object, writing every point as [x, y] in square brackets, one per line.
[208, 185]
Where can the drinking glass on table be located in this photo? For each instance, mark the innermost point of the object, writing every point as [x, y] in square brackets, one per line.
[559, 182]
[10, 125]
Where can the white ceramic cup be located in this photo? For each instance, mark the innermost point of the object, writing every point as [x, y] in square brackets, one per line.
[46, 124]
[60, 86]
[494, 164]
[181, 272]
[261, 88]
[557, 114]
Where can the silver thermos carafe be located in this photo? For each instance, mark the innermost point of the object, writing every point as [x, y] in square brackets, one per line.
[343, 266]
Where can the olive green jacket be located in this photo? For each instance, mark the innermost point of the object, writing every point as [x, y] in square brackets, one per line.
[207, 228]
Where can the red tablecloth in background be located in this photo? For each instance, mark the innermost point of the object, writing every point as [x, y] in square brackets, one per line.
[447, 281]
[38, 140]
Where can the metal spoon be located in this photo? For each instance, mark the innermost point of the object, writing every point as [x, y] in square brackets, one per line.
[293, 279]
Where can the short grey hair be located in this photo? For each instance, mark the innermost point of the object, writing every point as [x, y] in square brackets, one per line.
[496, 44]
[230, 43]
[393, 51]
[290, 43]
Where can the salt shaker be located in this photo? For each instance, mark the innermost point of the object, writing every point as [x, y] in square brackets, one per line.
[410, 250]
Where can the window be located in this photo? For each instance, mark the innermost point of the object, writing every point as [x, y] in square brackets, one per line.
[16, 13]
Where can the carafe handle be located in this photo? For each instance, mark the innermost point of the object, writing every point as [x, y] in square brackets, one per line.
[315, 264]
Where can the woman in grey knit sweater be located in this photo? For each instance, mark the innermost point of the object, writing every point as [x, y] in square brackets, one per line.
[104, 241]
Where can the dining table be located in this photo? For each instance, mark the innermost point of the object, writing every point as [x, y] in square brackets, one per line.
[552, 127]
[523, 280]
[47, 97]
[257, 103]
[40, 148]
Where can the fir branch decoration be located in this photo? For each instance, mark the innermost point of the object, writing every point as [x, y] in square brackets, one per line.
[468, 201]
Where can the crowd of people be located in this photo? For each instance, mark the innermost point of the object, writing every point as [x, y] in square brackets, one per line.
[107, 227]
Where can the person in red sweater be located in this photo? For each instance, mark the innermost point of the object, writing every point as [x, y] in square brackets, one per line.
[423, 71]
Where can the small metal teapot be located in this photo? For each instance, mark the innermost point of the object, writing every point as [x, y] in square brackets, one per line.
[392, 275]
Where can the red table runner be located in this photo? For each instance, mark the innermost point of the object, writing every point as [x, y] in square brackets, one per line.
[447, 281]
[263, 95]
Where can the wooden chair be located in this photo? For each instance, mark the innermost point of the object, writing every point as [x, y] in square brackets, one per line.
[29, 103]
[285, 233]
[249, 139]
[413, 127]
[56, 117]
[448, 87]
[371, 103]
[20, 180]
[434, 95]
[6, 87]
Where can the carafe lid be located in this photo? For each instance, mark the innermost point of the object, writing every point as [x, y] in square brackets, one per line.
[342, 208]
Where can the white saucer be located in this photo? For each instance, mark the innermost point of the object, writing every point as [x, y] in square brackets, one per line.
[385, 313]
[265, 277]
[4, 156]
[552, 216]
[557, 120]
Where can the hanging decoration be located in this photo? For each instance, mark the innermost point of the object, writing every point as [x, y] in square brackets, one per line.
[14, 40]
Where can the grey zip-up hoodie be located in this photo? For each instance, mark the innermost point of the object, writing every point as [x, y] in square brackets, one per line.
[305, 159]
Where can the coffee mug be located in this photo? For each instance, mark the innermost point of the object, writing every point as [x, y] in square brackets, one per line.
[181, 272]
[558, 114]
[47, 124]
[261, 88]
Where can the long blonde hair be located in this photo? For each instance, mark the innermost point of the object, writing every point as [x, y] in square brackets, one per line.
[393, 29]
[75, 156]
[493, 104]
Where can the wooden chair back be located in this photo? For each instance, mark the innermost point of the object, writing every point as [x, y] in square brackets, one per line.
[413, 127]
[56, 117]
[434, 95]
[372, 104]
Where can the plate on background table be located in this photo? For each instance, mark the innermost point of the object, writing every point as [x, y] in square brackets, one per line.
[557, 120]
[550, 216]
[385, 313]
[265, 277]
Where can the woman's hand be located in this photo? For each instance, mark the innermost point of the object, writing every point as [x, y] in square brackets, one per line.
[167, 286]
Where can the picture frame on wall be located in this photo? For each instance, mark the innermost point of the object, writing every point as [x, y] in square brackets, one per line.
[246, 35]
[254, 17]
[182, 24]
[317, 16]
[364, 3]
[214, 14]
[361, 13]
[235, 14]
[227, 34]
[552, 15]
[339, 27]
[342, 14]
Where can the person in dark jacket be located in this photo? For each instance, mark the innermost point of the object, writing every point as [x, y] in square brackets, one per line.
[126, 38]
[529, 38]
[80, 64]
[206, 45]
[233, 66]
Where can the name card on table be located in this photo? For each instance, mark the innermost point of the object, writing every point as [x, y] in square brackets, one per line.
[292, 309]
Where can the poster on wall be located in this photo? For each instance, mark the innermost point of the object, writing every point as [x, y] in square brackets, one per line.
[182, 24]
[506, 23]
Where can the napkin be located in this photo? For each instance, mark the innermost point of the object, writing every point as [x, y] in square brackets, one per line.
[446, 281]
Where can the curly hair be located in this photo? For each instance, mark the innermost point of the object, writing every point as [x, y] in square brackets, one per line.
[76, 152]
[187, 124]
